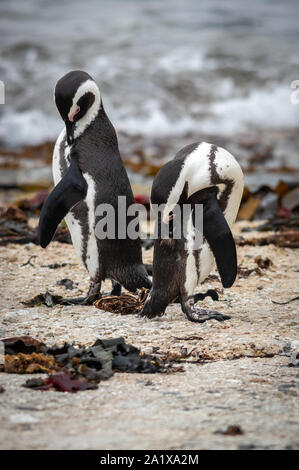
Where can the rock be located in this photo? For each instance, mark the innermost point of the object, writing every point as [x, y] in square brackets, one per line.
[23, 419]
[291, 199]
[267, 207]
[11, 317]
[295, 359]
[148, 350]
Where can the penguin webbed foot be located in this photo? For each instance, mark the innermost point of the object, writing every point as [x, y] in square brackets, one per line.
[150, 314]
[79, 300]
[200, 315]
[93, 294]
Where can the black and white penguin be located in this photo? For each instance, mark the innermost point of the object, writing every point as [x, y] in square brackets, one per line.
[88, 171]
[200, 173]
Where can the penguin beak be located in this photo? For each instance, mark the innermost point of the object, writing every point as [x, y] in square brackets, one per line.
[72, 115]
[70, 128]
[168, 218]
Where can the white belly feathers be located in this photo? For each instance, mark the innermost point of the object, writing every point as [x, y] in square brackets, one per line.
[61, 152]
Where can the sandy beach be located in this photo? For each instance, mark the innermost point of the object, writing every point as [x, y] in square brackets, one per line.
[235, 373]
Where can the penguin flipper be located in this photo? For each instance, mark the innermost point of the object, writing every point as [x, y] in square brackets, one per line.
[68, 192]
[218, 235]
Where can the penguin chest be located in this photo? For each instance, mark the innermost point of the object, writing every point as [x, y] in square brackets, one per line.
[91, 243]
[199, 259]
[199, 264]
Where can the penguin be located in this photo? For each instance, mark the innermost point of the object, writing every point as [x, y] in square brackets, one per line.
[200, 173]
[88, 171]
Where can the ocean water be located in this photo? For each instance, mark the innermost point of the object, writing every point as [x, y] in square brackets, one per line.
[166, 69]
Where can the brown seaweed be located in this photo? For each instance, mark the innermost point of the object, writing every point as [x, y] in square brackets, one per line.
[29, 363]
[125, 304]
[288, 239]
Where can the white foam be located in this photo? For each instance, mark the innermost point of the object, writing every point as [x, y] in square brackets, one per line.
[154, 122]
[28, 128]
[180, 60]
[265, 108]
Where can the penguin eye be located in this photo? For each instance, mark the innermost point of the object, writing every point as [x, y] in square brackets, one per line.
[85, 102]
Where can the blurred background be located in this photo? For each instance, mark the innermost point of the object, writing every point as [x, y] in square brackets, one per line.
[171, 72]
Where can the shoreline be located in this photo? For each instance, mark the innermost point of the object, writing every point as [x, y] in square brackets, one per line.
[29, 168]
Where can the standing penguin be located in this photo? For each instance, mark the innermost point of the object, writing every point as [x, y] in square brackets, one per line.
[200, 173]
[88, 171]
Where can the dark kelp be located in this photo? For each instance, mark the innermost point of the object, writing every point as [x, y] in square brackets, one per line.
[75, 368]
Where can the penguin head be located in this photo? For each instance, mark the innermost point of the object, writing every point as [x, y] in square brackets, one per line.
[78, 101]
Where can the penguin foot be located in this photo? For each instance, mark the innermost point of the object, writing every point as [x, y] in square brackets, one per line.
[94, 293]
[199, 315]
[148, 313]
[154, 305]
[73, 301]
[88, 300]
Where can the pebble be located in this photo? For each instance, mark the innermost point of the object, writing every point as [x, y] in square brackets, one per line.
[23, 419]
[11, 317]
[147, 350]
